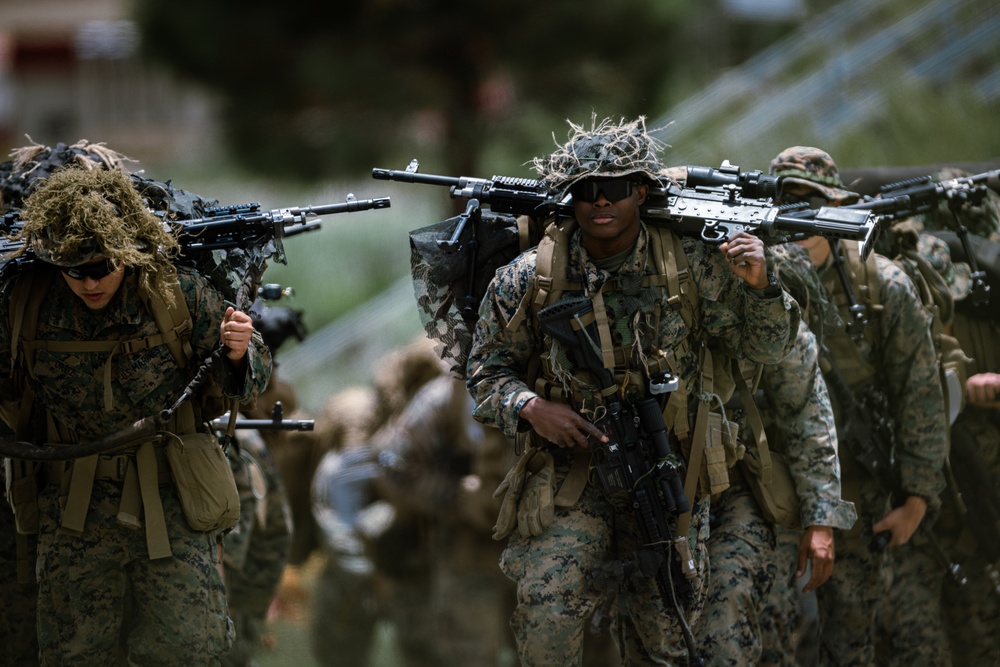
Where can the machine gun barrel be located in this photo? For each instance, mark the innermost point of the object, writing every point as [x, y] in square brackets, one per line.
[713, 205]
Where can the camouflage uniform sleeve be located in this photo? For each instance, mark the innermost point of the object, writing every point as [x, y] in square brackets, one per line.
[498, 359]
[758, 329]
[908, 365]
[208, 307]
[801, 409]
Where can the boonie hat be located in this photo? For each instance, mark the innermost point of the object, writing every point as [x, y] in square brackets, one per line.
[814, 169]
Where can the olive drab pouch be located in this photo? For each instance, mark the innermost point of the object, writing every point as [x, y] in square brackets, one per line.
[767, 474]
[765, 470]
[204, 481]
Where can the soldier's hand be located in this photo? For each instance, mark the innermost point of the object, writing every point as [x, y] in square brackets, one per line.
[559, 423]
[982, 390]
[903, 521]
[745, 255]
[235, 332]
[817, 547]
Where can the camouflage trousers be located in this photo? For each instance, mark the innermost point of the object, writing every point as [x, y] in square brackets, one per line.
[256, 551]
[789, 623]
[742, 570]
[972, 616]
[18, 639]
[176, 606]
[555, 598]
[911, 632]
[846, 603]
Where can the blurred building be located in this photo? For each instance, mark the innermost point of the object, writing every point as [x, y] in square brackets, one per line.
[70, 70]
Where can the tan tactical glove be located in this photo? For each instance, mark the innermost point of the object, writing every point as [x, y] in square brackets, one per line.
[513, 485]
[537, 510]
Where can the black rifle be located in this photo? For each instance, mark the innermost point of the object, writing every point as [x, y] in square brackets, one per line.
[636, 464]
[713, 205]
[867, 430]
[277, 422]
[974, 485]
[242, 226]
[897, 201]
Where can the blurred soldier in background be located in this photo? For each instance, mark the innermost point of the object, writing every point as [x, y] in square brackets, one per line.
[411, 510]
[929, 617]
[256, 551]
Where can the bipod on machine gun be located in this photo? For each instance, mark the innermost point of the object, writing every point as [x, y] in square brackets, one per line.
[897, 201]
[635, 464]
[712, 205]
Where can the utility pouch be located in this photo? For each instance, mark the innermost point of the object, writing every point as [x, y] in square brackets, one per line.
[204, 480]
[718, 439]
[22, 493]
[766, 473]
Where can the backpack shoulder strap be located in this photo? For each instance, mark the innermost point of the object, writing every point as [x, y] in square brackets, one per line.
[173, 320]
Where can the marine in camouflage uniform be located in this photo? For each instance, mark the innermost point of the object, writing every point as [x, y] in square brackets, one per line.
[256, 550]
[741, 547]
[28, 167]
[552, 552]
[929, 617]
[407, 508]
[74, 222]
[899, 351]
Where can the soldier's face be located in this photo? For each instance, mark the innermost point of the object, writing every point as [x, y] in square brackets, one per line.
[90, 282]
[610, 227]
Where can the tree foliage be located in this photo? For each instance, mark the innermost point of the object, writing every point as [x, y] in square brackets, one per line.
[306, 96]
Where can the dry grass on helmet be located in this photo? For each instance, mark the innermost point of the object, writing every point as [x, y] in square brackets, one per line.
[79, 211]
[608, 148]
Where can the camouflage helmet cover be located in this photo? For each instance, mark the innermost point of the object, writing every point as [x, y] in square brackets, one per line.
[813, 168]
[608, 149]
[78, 215]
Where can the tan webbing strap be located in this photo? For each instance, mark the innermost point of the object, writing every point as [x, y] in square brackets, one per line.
[575, 481]
[74, 515]
[130, 505]
[25, 560]
[756, 423]
[26, 300]
[604, 330]
[157, 540]
[697, 453]
[174, 321]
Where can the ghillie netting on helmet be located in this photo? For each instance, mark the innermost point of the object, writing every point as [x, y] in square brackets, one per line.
[30, 166]
[451, 271]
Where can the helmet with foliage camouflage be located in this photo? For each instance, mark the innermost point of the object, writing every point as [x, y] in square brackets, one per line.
[608, 148]
[78, 215]
[813, 168]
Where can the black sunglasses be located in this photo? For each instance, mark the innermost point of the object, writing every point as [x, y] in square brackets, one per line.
[95, 271]
[614, 189]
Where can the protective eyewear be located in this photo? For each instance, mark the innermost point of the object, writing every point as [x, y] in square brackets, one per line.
[95, 271]
[614, 190]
